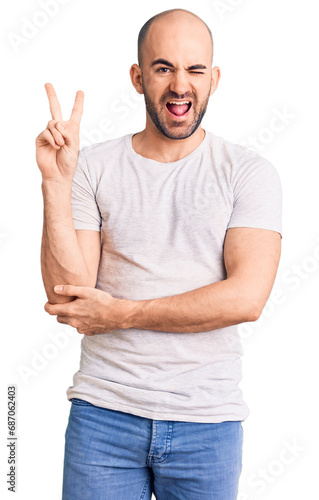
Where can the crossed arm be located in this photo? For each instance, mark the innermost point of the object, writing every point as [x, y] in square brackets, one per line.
[251, 259]
[71, 257]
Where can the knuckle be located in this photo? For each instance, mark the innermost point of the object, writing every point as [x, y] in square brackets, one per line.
[41, 135]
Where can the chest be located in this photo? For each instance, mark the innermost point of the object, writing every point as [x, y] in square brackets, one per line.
[171, 209]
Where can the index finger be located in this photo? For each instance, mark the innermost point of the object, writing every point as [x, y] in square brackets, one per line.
[55, 108]
[77, 110]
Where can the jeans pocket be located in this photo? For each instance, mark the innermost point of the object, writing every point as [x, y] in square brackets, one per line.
[80, 402]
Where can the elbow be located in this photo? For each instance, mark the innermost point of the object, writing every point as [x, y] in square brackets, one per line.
[248, 303]
[253, 313]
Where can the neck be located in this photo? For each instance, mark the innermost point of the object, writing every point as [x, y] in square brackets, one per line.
[156, 146]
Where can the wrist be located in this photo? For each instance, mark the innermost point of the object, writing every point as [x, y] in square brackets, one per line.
[57, 182]
[131, 310]
[57, 189]
[56, 201]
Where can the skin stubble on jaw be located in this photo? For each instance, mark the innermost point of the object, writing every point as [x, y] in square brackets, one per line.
[172, 131]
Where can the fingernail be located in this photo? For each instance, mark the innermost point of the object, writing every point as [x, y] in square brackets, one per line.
[60, 126]
[58, 288]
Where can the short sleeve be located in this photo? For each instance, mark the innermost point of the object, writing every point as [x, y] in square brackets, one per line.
[85, 211]
[257, 196]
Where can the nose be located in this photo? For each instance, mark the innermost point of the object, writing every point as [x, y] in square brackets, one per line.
[179, 82]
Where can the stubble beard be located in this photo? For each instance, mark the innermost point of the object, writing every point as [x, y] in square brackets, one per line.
[173, 131]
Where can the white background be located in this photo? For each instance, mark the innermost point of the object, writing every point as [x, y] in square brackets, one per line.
[267, 52]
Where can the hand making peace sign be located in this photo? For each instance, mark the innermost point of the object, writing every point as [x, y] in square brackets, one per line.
[57, 147]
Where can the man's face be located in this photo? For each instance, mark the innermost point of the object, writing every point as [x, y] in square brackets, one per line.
[177, 75]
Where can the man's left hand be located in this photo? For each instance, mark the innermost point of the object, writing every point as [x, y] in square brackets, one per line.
[92, 312]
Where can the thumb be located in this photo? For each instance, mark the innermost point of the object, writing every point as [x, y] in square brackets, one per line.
[71, 290]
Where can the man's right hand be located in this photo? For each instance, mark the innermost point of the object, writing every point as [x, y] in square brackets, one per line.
[57, 148]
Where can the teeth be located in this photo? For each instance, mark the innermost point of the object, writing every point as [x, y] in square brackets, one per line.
[179, 102]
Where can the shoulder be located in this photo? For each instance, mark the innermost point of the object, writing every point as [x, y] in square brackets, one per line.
[103, 149]
[240, 160]
[98, 159]
[235, 153]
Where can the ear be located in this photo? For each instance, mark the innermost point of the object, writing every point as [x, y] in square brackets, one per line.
[215, 79]
[136, 77]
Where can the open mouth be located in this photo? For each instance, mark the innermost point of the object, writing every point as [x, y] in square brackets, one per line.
[178, 108]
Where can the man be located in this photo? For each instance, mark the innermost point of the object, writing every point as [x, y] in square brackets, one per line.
[155, 246]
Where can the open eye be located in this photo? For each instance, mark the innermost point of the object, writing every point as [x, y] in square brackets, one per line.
[163, 70]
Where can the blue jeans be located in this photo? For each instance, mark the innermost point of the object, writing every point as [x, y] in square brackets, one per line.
[112, 455]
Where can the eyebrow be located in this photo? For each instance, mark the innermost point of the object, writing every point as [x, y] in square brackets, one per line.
[167, 63]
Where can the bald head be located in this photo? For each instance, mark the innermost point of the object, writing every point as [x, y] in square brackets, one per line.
[170, 16]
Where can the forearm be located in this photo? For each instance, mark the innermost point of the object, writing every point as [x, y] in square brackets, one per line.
[61, 258]
[214, 306]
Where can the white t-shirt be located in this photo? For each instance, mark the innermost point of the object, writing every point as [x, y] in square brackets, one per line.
[163, 227]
